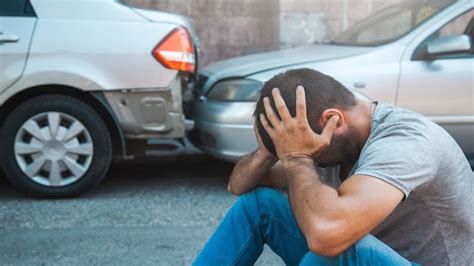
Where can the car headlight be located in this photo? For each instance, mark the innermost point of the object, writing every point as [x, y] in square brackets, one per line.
[236, 90]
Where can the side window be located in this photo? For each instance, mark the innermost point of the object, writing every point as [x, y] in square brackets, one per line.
[463, 24]
[459, 25]
[398, 25]
[16, 8]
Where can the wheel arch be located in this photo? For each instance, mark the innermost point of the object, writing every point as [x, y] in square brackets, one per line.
[95, 100]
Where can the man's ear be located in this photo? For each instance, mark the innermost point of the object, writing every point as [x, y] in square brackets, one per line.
[328, 113]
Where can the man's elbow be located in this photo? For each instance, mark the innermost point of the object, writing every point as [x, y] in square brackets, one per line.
[234, 191]
[325, 240]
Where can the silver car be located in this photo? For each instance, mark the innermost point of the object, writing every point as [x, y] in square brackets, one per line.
[417, 55]
[83, 82]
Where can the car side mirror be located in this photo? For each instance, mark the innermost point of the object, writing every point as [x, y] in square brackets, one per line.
[449, 45]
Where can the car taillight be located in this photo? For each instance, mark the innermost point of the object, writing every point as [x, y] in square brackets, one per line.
[176, 51]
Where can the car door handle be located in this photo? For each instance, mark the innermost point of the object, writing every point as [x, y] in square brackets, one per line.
[8, 38]
[359, 84]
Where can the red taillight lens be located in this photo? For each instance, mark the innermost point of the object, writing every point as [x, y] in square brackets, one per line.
[176, 51]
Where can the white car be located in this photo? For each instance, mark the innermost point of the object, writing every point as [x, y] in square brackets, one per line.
[84, 81]
[414, 54]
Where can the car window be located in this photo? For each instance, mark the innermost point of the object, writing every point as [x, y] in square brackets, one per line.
[398, 24]
[459, 25]
[393, 22]
[462, 24]
[16, 8]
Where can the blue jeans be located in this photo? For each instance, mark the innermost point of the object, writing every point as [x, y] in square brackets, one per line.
[264, 216]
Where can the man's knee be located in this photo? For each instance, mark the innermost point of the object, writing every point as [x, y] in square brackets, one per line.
[366, 245]
[372, 246]
[263, 198]
[367, 251]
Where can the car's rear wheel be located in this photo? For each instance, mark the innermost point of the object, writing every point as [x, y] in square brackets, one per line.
[55, 146]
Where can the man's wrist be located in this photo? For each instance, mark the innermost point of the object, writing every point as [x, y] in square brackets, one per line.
[297, 160]
[266, 157]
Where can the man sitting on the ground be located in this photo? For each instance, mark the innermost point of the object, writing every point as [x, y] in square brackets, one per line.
[405, 194]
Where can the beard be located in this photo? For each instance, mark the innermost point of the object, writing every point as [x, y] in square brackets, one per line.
[344, 150]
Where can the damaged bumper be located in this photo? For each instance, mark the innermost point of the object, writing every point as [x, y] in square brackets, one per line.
[150, 113]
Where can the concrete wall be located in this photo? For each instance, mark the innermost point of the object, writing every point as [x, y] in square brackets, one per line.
[226, 28]
[229, 28]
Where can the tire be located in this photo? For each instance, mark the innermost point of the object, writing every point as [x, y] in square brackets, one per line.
[55, 146]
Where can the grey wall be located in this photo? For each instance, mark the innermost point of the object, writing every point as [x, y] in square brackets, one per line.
[229, 28]
[226, 28]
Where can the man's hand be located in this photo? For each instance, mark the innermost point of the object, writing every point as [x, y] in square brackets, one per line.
[292, 136]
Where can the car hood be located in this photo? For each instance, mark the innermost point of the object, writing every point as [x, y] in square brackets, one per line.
[251, 64]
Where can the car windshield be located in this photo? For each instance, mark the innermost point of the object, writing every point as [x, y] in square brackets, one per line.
[389, 24]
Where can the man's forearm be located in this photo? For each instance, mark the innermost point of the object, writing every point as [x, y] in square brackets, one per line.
[249, 171]
[309, 197]
[332, 220]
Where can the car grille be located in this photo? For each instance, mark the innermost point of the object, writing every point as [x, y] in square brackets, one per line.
[202, 139]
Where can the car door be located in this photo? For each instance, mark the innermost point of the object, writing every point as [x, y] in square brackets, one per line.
[17, 22]
[442, 87]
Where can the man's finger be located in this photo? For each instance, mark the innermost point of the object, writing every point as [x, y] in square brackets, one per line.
[280, 105]
[255, 128]
[265, 125]
[300, 102]
[329, 128]
[257, 133]
[272, 118]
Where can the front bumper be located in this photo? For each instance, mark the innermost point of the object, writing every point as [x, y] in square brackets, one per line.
[223, 129]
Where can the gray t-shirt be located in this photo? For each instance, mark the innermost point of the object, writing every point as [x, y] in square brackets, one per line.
[434, 224]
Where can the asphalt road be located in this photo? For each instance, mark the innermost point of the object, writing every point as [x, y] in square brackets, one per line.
[158, 213]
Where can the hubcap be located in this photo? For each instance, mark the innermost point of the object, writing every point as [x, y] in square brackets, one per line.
[53, 149]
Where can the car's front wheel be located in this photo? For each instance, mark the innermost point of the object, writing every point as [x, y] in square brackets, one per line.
[55, 146]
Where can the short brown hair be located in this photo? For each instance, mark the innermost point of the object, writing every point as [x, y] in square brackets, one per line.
[322, 92]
